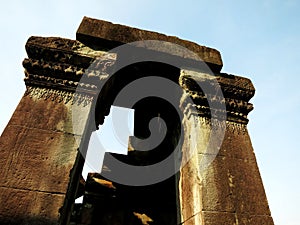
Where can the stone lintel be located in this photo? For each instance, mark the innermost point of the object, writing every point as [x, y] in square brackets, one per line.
[106, 35]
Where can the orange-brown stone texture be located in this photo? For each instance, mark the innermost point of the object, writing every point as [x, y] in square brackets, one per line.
[40, 159]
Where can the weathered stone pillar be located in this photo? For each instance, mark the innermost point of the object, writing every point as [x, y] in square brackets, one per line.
[220, 182]
[40, 159]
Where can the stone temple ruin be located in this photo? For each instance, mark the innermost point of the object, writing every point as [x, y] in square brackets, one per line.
[42, 147]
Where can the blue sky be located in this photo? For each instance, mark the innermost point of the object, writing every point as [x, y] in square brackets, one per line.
[257, 39]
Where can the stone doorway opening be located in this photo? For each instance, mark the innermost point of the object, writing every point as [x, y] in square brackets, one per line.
[106, 201]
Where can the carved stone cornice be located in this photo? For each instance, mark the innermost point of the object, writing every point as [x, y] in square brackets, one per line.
[229, 95]
[56, 66]
[62, 50]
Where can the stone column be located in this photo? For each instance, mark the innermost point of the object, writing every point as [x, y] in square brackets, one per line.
[220, 182]
[40, 159]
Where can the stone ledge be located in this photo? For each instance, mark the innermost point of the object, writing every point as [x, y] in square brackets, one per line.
[106, 35]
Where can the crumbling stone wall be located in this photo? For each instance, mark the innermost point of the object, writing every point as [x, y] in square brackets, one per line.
[40, 159]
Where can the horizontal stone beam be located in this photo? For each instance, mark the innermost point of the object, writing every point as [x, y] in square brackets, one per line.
[106, 35]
